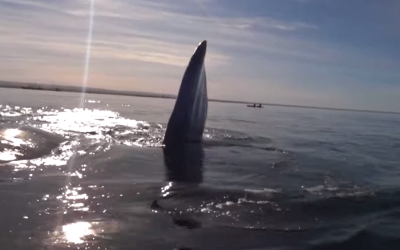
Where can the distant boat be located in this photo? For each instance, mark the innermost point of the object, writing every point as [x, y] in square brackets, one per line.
[254, 105]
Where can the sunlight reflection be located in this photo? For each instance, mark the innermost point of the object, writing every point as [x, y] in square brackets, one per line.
[92, 101]
[49, 161]
[75, 232]
[13, 138]
[165, 191]
[73, 199]
[8, 155]
[83, 234]
[11, 144]
[66, 150]
[86, 121]
[12, 132]
[74, 195]
[7, 111]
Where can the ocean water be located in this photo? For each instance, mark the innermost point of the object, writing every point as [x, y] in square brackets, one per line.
[89, 172]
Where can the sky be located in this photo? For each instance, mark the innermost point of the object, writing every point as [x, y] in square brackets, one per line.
[330, 53]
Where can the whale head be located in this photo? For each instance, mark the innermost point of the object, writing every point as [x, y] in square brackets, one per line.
[189, 115]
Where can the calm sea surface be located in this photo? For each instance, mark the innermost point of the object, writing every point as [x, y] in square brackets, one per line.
[90, 173]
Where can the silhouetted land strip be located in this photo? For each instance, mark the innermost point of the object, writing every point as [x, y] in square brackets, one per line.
[63, 88]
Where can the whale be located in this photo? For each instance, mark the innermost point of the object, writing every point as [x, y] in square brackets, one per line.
[183, 148]
[183, 140]
[188, 118]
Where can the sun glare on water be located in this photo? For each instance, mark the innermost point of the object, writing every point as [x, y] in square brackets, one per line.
[9, 139]
[75, 232]
[12, 132]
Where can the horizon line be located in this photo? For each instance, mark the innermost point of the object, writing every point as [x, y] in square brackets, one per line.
[103, 91]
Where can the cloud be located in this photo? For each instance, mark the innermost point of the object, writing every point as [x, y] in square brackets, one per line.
[145, 45]
[135, 31]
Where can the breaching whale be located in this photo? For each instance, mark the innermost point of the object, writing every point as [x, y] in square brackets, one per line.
[189, 115]
[183, 151]
[183, 147]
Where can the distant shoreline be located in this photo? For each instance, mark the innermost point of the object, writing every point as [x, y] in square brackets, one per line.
[75, 89]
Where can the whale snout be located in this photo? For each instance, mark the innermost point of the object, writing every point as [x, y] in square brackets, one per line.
[200, 53]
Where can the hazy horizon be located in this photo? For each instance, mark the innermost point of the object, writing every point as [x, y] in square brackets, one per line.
[104, 91]
[321, 53]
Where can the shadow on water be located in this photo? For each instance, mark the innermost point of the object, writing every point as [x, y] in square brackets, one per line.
[184, 172]
[184, 163]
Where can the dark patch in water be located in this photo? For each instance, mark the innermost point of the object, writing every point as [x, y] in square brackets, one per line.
[187, 223]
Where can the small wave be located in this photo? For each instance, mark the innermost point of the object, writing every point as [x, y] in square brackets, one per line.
[339, 190]
[22, 142]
